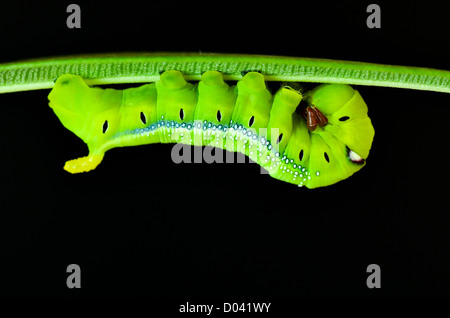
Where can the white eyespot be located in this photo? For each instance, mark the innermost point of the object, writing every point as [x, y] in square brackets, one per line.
[354, 157]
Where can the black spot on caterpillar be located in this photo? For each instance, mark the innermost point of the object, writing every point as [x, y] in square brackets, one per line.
[143, 118]
[105, 127]
[251, 121]
[279, 138]
[181, 114]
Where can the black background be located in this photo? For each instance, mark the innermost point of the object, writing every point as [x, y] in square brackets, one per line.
[140, 225]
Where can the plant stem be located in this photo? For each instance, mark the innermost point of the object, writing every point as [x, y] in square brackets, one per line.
[146, 67]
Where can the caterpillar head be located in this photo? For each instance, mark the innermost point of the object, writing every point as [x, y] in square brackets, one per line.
[90, 113]
[343, 144]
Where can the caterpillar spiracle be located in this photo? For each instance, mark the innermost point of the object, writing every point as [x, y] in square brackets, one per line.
[313, 138]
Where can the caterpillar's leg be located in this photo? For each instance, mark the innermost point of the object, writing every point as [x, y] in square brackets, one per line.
[83, 164]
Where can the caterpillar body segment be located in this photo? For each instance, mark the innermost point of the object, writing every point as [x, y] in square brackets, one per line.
[272, 129]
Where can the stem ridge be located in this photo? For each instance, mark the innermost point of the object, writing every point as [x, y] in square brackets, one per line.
[146, 67]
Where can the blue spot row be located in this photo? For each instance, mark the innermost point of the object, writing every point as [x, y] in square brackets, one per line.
[208, 125]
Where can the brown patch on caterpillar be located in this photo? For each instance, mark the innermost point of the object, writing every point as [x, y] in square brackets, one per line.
[314, 118]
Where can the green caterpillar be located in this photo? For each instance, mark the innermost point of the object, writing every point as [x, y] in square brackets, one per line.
[327, 141]
[309, 138]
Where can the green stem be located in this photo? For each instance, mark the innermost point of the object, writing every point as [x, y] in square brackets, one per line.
[146, 67]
